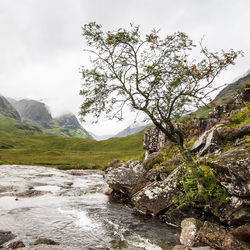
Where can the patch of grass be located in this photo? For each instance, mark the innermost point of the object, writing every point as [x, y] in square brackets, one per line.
[200, 186]
[242, 117]
[66, 153]
[15, 127]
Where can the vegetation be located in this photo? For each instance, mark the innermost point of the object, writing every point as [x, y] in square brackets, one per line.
[66, 153]
[151, 75]
[7, 110]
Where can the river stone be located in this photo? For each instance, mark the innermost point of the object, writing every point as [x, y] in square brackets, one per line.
[159, 195]
[5, 236]
[234, 213]
[190, 227]
[126, 179]
[16, 244]
[32, 193]
[242, 234]
[207, 142]
[195, 232]
[51, 247]
[182, 247]
[45, 241]
[233, 170]
[215, 236]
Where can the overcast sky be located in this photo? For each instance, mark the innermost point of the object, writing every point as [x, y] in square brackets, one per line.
[41, 43]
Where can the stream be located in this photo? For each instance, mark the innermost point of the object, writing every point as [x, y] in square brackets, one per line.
[70, 208]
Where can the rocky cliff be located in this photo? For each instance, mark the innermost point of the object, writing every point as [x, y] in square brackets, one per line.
[7, 110]
[36, 113]
[213, 188]
[33, 111]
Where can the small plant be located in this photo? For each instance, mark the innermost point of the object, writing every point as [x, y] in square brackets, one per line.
[242, 117]
[201, 186]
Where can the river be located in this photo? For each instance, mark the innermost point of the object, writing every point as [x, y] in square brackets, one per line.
[72, 210]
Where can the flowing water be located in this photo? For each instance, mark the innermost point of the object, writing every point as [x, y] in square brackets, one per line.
[73, 210]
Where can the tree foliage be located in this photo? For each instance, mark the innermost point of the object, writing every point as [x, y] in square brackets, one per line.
[153, 75]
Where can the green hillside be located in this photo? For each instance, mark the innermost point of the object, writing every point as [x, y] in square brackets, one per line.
[37, 114]
[224, 96]
[16, 127]
[65, 153]
[7, 110]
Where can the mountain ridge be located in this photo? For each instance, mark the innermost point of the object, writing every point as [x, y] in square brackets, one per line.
[37, 114]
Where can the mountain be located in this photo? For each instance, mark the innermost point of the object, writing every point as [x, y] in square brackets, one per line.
[225, 95]
[10, 122]
[36, 113]
[7, 110]
[70, 123]
[132, 129]
[32, 111]
[231, 89]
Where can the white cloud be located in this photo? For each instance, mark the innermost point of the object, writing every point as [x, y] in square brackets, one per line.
[41, 43]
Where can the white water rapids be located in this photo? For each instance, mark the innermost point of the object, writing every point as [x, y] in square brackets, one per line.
[72, 210]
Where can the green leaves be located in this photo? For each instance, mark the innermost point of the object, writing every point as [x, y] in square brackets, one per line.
[150, 74]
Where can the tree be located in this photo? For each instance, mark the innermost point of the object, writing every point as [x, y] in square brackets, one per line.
[149, 74]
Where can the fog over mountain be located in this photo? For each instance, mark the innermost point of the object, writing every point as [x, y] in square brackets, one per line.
[42, 47]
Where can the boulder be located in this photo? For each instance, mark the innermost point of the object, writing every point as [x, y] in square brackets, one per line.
[233, 170]
[190, 228]
[234, 213]
[5, 236]
[242, 234]
[159, 195]
[126, 179]
[182, 247]
[152, 175]
[16, 244]
[156, 174]
[45, 241]
[195, 232]
[178, 214]
[153, 140]
[217, 237]
[207, 142]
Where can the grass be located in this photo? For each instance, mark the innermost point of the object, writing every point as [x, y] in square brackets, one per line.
[66, 153]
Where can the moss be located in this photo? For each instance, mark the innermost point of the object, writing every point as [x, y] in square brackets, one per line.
[153, 159]
[242, 117]
[201, 186]
[247, 139]
[190, 143]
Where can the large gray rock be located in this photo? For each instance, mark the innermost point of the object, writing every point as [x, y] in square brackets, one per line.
[126, 179]
[195, 232]
[153, 140]
[159, 195]
[207, 142]
[242, 234]
[234, 213]
[190, 228]
[233, 170]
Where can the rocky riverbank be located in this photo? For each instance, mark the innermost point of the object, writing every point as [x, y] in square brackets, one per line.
[71, 209]
[215, 196]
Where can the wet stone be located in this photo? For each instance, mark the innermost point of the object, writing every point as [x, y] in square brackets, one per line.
[16, 244]
[5, 236]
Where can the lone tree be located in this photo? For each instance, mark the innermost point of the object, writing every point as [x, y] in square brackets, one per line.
[150, 74]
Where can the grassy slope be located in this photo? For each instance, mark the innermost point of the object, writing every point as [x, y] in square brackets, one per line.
[49, 150]
[224, 96]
